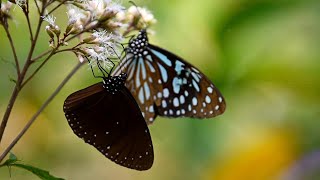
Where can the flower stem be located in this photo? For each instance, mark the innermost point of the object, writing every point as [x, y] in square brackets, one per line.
[34, 117]
[8, 111]
[35, 72]
[61, 3]
[13, 50]
[20, 80]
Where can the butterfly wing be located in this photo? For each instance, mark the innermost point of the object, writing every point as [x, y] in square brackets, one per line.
[112, 123]
[165, 84]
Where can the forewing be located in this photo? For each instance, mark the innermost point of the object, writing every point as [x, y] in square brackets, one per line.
[143, 82]
[186, 90]
[165, 84]
[112, 123]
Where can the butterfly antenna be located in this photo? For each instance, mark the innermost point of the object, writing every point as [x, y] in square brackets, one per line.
[117, 57]
[92, 69]
[124, 57]
[103, 71]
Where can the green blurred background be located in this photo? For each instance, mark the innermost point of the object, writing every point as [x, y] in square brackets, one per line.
[264, 57]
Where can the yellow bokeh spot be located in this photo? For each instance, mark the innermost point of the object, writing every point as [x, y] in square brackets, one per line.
[263, 159]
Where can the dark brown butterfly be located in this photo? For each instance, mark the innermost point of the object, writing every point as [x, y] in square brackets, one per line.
[106, 116]
[164, 84]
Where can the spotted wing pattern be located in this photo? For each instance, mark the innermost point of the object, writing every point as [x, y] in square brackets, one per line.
[166, 85]
[112, 123]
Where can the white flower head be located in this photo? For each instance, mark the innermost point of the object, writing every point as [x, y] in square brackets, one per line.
[77, 19]
[50, 19]
[106, 39]
[101, 9]
[99, 55]
[143, 14]
[5, 7]
[75, 15]
[115, 7]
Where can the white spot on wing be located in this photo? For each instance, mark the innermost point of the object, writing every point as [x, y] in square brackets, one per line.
[164, 104]
[176, 102]
[182, 99]
[164, 74]
[141, 96]
[143, 68]
[147, 90]
[165, 92]
[195, 76]
[138, 77]
[151, 109]
[194, 101]
[150, 67]
[162, 57]
[179, 66]
[176, 85]
[195, 85]
[208, 99]
[178, 112]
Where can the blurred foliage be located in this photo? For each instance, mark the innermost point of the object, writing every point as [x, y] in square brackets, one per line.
[14, 162]
[264, 57]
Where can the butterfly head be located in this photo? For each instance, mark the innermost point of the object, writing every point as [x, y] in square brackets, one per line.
[138, 45]
[113, 84]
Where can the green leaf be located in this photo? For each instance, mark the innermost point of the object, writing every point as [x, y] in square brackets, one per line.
[42, 174]
[12, 159]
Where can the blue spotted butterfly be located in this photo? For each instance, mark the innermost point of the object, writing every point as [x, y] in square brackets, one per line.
[164, 84]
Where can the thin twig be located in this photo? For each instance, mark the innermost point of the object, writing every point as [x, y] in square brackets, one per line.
[41, 55]
[13, 51]
[38, 68]
[64, 50]
[62, 2]
[29, 25]
[34, 117]
[35, 1]
[20, 80]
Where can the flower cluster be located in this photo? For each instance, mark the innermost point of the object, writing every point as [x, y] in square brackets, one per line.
[137, 17]
[100, 25]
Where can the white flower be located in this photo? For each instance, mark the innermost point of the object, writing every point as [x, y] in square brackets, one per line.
[5, 7]
[50, 19]
[77, 19]
[115, 7]
[107, 46]
[144, 15]
[102, 8]
[99, 55]
[106, 39]
[75, 15]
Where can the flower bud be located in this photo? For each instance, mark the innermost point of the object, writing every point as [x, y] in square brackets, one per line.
[49, 32]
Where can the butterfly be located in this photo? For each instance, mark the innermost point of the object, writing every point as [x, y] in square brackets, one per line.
[164, 84]
[106, 116]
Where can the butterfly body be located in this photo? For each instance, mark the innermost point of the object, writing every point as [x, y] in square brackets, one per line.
[106, 116]
[164, 84]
